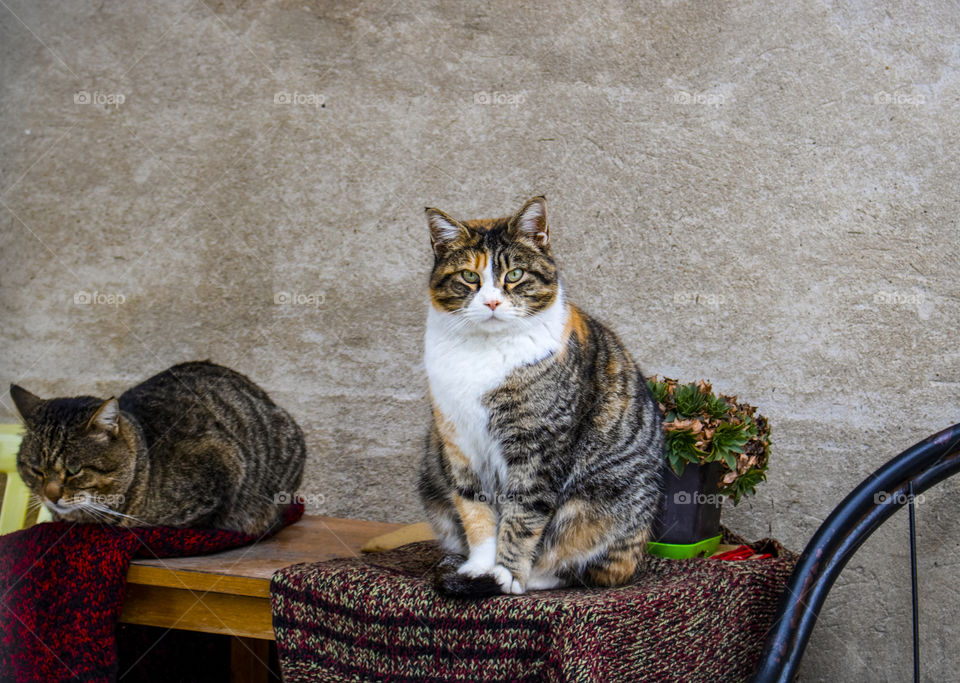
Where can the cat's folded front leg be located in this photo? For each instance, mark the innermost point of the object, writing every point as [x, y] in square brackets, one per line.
[521, 525]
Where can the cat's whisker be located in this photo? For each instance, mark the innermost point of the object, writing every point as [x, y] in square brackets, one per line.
[83, 502]
[110, 511]
[98, 514]
[94, 513]
[461, 320]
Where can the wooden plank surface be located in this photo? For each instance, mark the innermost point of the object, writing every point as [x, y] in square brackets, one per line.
[247, 570]
[197, 580]
[233, 615]
[229, 592]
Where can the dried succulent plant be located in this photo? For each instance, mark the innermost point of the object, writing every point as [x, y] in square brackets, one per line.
[703, 427]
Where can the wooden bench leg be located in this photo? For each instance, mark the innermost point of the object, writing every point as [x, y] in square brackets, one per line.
[250, 660]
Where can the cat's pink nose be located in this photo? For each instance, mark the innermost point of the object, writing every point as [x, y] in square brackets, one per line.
[53, 491]
[493, 304]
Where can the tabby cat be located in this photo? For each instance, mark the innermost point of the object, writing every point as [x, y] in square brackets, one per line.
[544, 459]
[197, 445]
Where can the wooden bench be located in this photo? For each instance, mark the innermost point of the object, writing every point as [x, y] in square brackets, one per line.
[229, 592]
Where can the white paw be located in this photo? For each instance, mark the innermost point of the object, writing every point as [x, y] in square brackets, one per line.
[482, 558]
[475, 566]
[544, 582]
[508, 584]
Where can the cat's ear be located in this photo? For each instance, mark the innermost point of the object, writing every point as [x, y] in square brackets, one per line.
[107, 418]
[26, 402]
[531, 222]
[444, 231]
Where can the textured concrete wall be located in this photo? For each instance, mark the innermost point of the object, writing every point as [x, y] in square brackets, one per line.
[760, 194]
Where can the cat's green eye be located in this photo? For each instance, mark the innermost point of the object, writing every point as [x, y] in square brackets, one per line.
[470, 277]
[514, 275]
[74, 471]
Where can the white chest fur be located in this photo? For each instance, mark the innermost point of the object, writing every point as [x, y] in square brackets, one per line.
[464, 363]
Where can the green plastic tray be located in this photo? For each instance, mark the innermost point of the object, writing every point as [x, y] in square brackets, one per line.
[684, 551]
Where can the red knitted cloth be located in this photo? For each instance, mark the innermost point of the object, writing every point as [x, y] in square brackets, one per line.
[62, 587]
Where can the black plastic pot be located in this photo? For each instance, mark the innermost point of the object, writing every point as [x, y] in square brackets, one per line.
[690, 511]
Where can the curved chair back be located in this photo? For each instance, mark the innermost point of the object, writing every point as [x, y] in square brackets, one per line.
[838, 538]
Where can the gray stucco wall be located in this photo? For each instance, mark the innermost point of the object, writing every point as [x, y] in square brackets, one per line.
[760, 194]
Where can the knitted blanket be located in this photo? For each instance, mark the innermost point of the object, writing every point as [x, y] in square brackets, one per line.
[62, 586]
[378, 618]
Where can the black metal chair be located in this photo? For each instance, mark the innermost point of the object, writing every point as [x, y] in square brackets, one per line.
[869, 505]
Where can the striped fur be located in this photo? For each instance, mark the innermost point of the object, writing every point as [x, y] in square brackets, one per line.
[543, 463]
[197, 445]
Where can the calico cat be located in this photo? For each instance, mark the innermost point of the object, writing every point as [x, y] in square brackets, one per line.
[197, 445]
[544, 459]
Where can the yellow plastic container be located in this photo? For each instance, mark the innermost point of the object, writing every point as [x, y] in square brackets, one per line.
[16, 495]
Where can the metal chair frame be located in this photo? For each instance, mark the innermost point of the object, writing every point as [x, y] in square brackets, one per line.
[879, 496]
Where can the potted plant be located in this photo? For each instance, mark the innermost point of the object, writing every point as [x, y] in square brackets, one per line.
[715, 448]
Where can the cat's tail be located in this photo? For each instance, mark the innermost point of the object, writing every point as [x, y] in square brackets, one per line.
[453, 584]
